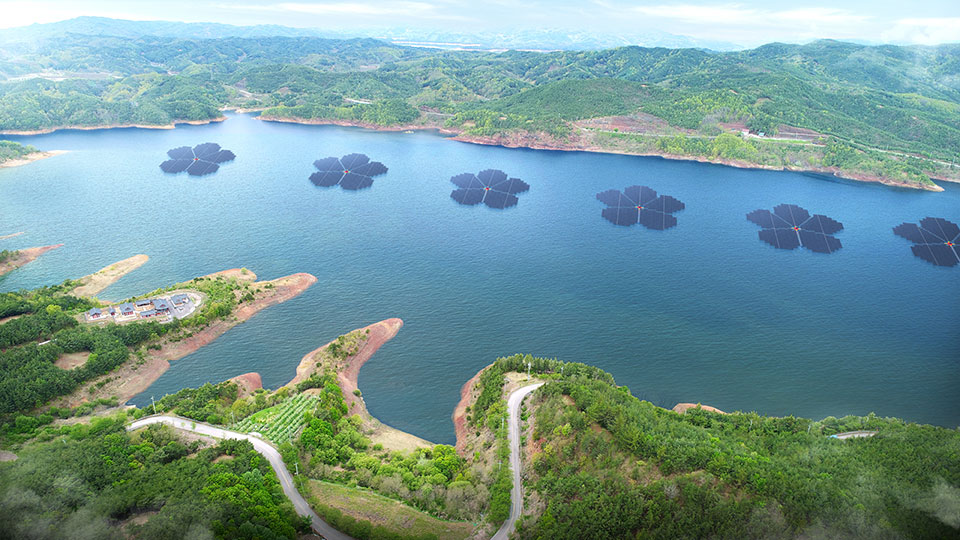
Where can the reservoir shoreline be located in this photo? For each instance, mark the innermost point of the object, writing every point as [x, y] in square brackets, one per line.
[535, 142]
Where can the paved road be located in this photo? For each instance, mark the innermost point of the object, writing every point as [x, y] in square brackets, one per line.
[268, 451]
[513, 434]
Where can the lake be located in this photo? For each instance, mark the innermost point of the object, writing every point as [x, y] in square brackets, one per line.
[703, 312]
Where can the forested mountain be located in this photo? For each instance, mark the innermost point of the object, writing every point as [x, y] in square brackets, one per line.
[604, 464]
[884, 108]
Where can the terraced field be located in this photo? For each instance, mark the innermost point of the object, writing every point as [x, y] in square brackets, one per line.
[279, 423]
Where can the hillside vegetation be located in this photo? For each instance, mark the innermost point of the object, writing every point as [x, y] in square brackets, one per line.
[608, 465]
[896, 108]
[13, 150]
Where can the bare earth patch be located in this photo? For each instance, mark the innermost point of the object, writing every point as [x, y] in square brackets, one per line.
[468, 394]
[7, 456]
[72, 360]
[247, 383]
[134, 377]
[25, 256]
[684, 407]
[378, 432]
[135, 520]
[98, 281]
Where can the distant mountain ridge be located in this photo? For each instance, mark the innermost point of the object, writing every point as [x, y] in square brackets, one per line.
[880, 112]
[540, 39]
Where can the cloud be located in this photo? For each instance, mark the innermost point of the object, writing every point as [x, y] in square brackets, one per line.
[926, 31]
[420, 10]
[748, 24]
[736, 14]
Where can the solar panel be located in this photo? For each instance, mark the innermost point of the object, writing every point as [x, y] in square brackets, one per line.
[468, 197]
[944, 229]
[351, 172]
[182, 152]
[353, 181]
[790, 227]
[197, 161]
[491, 187]
[639, 204]
[352, 161]
[935, 240]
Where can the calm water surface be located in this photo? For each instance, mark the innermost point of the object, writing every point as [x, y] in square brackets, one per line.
[701, 312]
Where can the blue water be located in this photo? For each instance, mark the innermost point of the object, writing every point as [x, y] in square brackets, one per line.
[702, 312]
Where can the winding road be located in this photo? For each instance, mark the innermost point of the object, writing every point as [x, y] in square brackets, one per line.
[513, 435]
[268, 451]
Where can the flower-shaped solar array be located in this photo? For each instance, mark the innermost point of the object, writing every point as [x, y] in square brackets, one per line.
[490, 187]
[352, 171]
[936, 240]
[790, 226]
[640, 204]
[200, 160]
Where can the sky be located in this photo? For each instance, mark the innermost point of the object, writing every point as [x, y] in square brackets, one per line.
[747, 23]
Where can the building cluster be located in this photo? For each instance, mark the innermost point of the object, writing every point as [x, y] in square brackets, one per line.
[146, 308]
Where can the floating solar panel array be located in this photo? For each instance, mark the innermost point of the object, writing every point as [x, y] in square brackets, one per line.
[200, 160]
[352, 171]
[790, 226]
[490, 187]
[640, 204]
[935, 240]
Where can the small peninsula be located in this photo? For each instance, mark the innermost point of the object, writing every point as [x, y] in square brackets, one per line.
[230, 297]
[13, 154]
[12, 259]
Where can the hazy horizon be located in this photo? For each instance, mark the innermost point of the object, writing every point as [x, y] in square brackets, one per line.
[746, 24]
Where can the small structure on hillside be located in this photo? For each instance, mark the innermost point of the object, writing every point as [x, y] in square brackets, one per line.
[179, 299]
[127, 309]
[94, 314]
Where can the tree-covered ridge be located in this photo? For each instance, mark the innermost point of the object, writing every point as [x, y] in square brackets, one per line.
[612, 466]
[89, 480]
[13, 150]
[47, 327]
[323, 438]
[904, 100]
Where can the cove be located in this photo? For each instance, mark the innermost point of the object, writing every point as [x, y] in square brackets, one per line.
[703, 312]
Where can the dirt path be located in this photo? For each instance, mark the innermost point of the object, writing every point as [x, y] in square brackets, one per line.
[514, 401]
[96, 282]
[25, 256]
[135, 376]
[347, 375]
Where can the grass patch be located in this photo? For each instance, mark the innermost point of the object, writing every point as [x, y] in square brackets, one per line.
[367, 505]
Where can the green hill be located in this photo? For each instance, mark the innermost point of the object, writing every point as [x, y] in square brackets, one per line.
[896, 108]
[608, 465]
